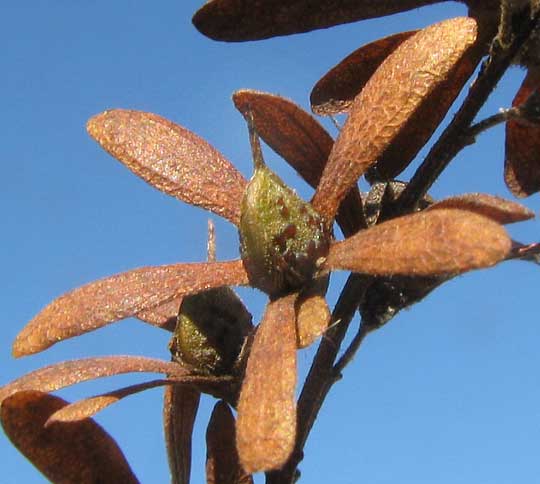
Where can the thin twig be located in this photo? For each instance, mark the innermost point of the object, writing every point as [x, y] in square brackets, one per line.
[501, 117]
[351, 350]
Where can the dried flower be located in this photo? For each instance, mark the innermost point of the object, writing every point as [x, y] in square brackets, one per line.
[289, 263]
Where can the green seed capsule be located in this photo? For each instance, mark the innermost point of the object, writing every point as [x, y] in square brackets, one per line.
[283, 240]
[210, 331]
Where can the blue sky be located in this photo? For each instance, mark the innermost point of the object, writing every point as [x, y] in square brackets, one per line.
[447, 392]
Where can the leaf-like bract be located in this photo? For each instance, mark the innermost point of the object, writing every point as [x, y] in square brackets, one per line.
[120, 296]
[522, 150]
[495, 208]
[222, 462]
[266, 425]
[171, 159]
[392, 95]
[79, 452]
[431, 243]
[241, 20]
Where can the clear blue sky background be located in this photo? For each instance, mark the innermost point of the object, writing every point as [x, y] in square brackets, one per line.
[448, 392]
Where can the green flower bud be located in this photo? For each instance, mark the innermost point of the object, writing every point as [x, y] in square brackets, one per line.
[210, 331]
[283, 240]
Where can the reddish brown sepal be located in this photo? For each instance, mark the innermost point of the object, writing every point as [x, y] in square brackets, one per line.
[336, 90]
[387, 102]
[241, 20]
[266, 426]
[66, 373]
[79, 452]
[431, 243]
[495, 208]
[222, 461]
[522, 149]
[416, 132]
[117, 297]
[171, 159]
[180, 405]
[312, 313]
[162, 316]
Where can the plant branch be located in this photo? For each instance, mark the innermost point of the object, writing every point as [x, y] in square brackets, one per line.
[351, 350]
[456, 135]
[490, 122]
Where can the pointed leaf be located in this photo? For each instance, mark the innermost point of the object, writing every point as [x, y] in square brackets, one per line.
[240, 20]
[66, 373]
[117, 297]
[222, 462]
[180, 407]
[301, 141]
[389, 99]
[312, 313]
[172, 159]
[266, 425]
[522, 150]
[336, 90]
[431, 243]
[79, 452]
[495, 208]
[162, 316]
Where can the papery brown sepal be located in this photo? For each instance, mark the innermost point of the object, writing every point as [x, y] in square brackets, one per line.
[172, 159]
[79, 452]
[430, 243]
[266, 425]
[120, 296]
[522, 147]
[387, 102]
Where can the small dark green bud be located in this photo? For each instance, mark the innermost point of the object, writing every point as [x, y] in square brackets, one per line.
[283, 240]
[210, 331]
